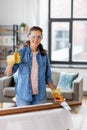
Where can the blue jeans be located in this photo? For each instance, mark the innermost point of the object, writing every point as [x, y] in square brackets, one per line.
[21, 102]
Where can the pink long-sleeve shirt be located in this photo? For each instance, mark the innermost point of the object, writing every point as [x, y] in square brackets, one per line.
[34, 74]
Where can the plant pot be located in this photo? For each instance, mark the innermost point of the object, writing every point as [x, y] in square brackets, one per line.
[22, 29]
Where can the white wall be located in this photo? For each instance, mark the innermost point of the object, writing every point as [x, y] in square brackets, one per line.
[43, 21]
[17, 11]
[10, 12]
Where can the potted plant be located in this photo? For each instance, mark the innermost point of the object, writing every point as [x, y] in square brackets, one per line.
[22, 25]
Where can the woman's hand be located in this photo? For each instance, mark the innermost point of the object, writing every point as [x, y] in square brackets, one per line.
[12, 59]
[57, 95]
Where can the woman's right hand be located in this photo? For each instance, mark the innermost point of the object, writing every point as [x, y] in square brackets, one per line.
[12, 59]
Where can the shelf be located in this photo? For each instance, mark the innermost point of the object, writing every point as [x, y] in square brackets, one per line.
[19, 31]
[2, 59]
[5, 30]
[8, 42]
[2, 75]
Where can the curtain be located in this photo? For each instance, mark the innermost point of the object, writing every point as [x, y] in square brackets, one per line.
[35, 13]
[30, 12]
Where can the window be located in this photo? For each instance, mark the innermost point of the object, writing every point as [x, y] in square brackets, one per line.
[60, 41]
[68, 31]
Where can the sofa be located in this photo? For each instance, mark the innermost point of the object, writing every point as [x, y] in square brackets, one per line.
[7, 88]
[73, 94]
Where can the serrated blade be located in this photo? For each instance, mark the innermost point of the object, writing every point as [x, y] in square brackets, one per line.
[65, 105]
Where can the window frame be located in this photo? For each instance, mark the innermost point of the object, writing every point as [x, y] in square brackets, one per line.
[70, 20]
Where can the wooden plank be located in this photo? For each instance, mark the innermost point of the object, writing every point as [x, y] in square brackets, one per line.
[33, 108]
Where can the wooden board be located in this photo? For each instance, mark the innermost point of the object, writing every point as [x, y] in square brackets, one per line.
[33, 108]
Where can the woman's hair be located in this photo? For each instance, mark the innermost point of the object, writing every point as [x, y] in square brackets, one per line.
[36, 28]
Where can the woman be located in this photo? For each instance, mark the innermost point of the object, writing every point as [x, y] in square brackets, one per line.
[33, 70]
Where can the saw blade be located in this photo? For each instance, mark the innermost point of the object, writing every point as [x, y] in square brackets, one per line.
[65, 105]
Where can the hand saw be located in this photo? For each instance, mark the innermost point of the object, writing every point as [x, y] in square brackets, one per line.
[64, 104]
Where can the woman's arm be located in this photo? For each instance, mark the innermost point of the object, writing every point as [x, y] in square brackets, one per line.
[12, 61]
[51, 86]
[8, 70]
[58, 97]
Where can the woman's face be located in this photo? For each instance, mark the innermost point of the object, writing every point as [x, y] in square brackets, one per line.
[35, 38]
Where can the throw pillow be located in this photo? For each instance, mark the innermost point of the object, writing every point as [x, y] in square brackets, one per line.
[66, 79]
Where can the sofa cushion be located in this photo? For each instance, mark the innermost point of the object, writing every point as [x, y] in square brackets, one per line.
[66, 79]
[9, 91]
[8, 81]
[67, 94]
